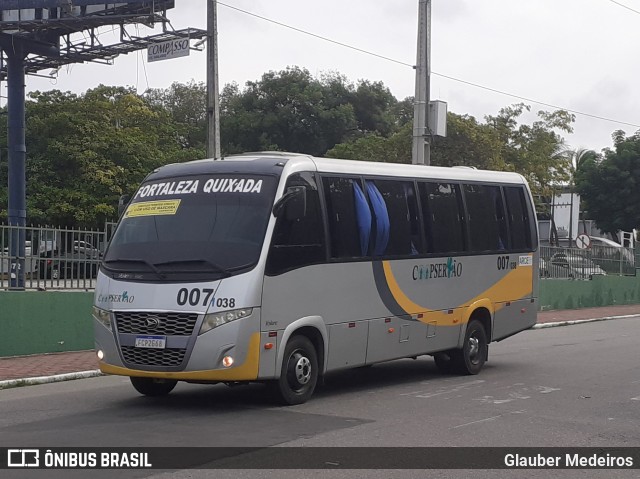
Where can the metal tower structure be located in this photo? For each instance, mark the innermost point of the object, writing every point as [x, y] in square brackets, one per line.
[39, 34]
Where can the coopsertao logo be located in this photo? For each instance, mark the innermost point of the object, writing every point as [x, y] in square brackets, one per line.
[451, 269]
[116, 298]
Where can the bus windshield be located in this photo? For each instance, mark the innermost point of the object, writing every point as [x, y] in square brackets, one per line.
[202, 227]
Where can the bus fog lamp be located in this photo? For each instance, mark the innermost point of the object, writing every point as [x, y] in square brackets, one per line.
[227, 361]
[218, 319]
[100, 354]
[102, 316]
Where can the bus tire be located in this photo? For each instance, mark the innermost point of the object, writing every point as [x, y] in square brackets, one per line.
[299, 374]
[153, 386]
[473, 354]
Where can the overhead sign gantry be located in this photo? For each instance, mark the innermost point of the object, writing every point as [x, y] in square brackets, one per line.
[37, 35]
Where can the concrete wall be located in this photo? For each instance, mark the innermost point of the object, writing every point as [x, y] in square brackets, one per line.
[34, 322]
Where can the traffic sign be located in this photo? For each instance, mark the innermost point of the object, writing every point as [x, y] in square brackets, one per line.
[583, 241]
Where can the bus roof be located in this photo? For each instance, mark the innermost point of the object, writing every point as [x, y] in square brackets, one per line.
[270, 161]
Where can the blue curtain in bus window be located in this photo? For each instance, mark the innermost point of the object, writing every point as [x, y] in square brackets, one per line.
[363, 217]
[382, 219]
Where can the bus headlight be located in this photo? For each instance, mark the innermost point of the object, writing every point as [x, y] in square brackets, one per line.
[218, 319]
[103, 316]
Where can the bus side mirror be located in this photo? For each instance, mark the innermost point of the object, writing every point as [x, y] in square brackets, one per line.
[123, 201]
[293, 203]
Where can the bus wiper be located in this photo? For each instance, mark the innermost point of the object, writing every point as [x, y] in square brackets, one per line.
[215, 266]
[151, 266]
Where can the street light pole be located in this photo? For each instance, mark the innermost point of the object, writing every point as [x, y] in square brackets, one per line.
[421, 151]
[213, 100]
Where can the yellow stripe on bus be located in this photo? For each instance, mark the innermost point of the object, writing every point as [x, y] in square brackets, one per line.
[515, 285]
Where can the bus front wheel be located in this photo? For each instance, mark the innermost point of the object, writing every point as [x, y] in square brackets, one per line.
[299, 373]
[153, 386]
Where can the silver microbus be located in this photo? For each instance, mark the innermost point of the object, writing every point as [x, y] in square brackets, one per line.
[279, 268]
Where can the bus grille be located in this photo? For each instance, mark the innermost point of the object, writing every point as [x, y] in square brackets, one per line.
[153, 357]
[167, 324]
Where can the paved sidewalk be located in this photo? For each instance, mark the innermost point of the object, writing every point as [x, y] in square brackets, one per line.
[64, 363]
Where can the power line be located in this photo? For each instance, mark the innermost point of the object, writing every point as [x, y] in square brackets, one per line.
[550, 105]
[624, 6]
[476, 85]
[317, 36]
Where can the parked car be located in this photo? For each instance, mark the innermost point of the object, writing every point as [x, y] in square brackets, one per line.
[563, 265]
[609, 249]
[86, 248]
[68, 266]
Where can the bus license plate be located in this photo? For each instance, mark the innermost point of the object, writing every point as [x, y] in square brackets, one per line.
[151, 342]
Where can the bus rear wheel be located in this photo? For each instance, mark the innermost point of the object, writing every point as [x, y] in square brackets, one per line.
[473, 354]
[299, 373]
[153, 386]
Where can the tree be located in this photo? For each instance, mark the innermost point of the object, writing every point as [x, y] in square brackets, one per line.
[373, 104]
[535, 151]
[468, 143]
[187, 105]
[375, 147]
[85, 151]
[287, 110]
[610, 185]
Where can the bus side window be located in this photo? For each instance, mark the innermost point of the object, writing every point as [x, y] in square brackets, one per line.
[399, 216]
[519, 224]
[348, 230]
[298, 242]
[443, 217]
[487, 222]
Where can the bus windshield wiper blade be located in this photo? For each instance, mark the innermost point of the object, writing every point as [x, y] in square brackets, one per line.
[151, 266]
[215, 266]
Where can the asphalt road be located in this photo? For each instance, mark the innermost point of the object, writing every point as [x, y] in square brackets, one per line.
[569, 386]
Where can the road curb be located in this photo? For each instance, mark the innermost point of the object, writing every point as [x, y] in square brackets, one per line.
[14, 383]
[582, 321]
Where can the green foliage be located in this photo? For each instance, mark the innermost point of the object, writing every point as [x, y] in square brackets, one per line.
[287, 110]
[610, 185]
[375, 147]
[85, 151]
[502, 143]
[468, 143]
[536, 151]
[187, 106]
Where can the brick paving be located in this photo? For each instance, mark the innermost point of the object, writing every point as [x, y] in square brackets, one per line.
[47, 364]
[60, 363]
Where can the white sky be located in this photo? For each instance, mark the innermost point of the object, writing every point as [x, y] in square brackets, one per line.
[577, 54]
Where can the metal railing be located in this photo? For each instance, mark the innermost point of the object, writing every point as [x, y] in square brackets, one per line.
[53, 258]
[573, 263]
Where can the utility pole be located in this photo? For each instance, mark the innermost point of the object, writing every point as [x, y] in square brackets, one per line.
[213, 100]
[421, 152]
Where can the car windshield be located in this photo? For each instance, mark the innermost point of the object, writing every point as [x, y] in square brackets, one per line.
[211, 226]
